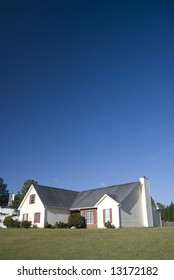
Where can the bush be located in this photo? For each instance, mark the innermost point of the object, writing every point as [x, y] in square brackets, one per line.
[17, 224]
[8, 222]
[47, 225]
[76, 220]
[25, 224]
[61, 225]
[35, 226]
[109, 225]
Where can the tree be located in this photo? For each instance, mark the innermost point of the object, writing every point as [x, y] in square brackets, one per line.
[171, 212]
[167, 212]
[20, 195]
[4, 193]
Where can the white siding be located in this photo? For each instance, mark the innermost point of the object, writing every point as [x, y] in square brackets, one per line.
[156, 216]
[131, 214]
[54, 215]
[106, 203]
[31, 209]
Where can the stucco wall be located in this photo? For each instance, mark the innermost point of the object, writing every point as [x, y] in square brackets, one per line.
[131, 212]
[30, 209]
[54, 215]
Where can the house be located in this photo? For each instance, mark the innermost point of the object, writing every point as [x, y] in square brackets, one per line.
[6, 211]
[125, 205]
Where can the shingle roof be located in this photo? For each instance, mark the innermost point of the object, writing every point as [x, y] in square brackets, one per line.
[55, 197]
[62, 198]
[91, 197]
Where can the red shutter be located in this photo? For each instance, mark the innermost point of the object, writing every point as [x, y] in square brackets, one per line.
[103, 215]
[25, 217]
[111, 215]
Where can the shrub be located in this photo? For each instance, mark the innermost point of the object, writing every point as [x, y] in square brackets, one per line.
[61, 225]
[17, 224]
[76, 220]
[109, 225]
[47, 225]
[35, 226]
[25, 224]
[8, 222]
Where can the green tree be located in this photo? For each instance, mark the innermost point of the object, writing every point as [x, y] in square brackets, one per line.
[20, 195]
[4, 193]
[171, 212]
[167, 212]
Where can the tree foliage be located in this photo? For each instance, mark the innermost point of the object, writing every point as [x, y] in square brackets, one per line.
[4, 193]
[20, 195]
[167, 212]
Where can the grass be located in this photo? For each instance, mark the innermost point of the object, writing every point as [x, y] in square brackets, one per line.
[86, 244]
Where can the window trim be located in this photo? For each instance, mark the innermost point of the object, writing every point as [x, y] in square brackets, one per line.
[110, 215]
[25, 217]
[37, 217]
[32, 199]
[90, 218]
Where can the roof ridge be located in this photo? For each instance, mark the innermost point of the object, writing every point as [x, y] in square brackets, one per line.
[112, 186]
[56, 188]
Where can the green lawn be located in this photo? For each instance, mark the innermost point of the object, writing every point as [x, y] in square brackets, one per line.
[96, 244]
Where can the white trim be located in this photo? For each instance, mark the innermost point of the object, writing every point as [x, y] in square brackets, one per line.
[25, 197]
[83, 208]
[103, 197]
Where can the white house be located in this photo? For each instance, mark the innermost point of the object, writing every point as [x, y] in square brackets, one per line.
[126, 205]
[6, 211]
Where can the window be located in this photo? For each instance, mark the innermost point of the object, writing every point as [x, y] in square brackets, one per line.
[36, 217]
[25, 217]
[90, 217]
[32, 199]
[107, 215]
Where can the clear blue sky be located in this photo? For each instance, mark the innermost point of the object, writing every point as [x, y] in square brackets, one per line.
[87, 93]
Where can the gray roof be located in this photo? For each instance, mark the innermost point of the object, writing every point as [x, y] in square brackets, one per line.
[62, 198]
[91, 197]
[55, 197]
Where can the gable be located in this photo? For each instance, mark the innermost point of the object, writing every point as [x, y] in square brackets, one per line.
[28, 199]
[107, 199]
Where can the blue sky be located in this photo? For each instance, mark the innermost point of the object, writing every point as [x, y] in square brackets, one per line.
[87, 94]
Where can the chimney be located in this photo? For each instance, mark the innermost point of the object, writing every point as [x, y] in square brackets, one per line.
[146, 202]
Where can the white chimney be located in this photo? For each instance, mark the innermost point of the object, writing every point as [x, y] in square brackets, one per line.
[11, 199]
[146, 202]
